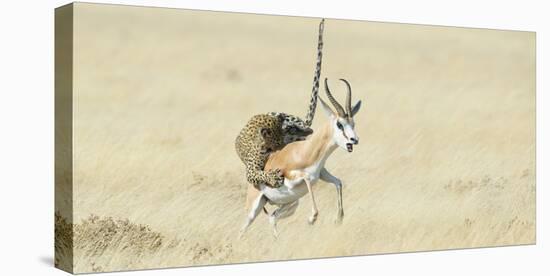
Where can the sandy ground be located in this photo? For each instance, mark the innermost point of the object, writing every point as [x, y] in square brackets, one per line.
[446, 159]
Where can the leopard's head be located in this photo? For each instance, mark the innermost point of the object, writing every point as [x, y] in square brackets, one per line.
[294, 129]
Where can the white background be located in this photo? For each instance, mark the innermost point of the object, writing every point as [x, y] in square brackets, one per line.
[27, 136]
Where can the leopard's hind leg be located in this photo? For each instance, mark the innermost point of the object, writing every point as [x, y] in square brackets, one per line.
[282, 212]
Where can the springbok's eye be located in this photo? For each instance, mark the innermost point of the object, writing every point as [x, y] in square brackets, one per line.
[339, 125]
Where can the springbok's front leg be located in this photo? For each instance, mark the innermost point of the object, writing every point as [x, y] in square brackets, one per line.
[314, 211]
[328, 177]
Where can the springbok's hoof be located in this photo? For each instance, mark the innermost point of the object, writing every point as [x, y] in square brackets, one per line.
[312, 220]
[339, 218]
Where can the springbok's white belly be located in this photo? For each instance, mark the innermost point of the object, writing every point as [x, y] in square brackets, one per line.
[292, 190]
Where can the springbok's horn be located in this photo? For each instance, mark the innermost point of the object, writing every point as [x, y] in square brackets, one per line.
[348, 98]
[336, 105]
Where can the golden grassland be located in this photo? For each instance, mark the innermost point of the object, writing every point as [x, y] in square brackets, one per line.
[447, 129]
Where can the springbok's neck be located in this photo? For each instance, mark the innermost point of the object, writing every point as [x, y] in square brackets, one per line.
[320, 145]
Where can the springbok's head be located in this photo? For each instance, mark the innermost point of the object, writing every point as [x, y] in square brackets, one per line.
[341, 121]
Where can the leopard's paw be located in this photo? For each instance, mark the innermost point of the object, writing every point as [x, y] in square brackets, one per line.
[276, 178]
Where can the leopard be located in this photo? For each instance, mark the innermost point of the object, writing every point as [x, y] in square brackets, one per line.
[267, 133]
[260, 137]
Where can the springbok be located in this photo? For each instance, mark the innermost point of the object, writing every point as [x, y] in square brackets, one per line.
[303, 164]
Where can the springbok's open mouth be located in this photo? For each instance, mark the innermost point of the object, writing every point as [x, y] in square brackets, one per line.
[350, 147]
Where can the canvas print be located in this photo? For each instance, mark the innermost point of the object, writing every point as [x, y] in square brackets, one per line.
[189, 138]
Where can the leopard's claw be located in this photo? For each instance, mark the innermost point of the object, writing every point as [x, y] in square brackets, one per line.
[276, 178]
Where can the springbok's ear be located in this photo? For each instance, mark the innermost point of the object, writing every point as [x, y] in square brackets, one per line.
[326, 108]
[355, 108]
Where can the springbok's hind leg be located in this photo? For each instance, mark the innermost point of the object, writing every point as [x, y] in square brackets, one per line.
[328, 177]
[282, 212]
[255, 209]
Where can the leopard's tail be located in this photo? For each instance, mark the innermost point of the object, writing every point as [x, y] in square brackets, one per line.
[315, 90]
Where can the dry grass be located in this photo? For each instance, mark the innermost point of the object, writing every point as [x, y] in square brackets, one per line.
[63, 243]
[97, 239]
[446, 159]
